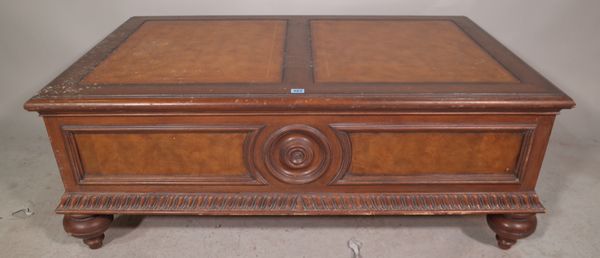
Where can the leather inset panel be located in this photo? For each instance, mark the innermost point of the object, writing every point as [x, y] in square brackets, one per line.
[197, 51]
[399, 51]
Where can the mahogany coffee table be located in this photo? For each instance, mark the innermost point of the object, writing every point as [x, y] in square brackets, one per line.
[299, 116]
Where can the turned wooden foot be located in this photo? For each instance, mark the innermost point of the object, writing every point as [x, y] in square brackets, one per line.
[510, 227]
[90, 228]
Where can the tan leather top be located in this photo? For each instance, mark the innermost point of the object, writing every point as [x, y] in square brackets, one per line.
[299, 63]
[399, 51]
[187, 51]
[251, 51]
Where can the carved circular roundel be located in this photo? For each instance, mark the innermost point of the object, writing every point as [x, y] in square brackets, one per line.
[297, 154]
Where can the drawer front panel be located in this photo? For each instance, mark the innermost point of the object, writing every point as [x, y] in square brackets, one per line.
[162, 154]
[432, 153]
[300, 153]
[135, 154]
[416, 153]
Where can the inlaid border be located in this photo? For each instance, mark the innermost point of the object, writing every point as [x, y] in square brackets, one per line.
[345, 177]
[300, 203]
[253, 177]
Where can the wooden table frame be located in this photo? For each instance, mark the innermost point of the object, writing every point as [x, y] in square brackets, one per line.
[298, 150]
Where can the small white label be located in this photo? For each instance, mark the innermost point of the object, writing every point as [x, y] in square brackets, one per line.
[297, 91]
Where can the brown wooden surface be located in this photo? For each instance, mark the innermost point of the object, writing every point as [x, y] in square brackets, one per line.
[267, 158]
[300, 203]
[402, 63]
[90, 228]
[434, 153]
[511, 227]
[162, 153]
[399, 116]
[159, 153]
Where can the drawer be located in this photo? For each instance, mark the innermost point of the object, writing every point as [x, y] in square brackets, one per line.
[163, 154]
[301, 152]
[433, 153]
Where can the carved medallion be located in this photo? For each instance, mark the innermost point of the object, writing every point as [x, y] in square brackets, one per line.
[297, 154]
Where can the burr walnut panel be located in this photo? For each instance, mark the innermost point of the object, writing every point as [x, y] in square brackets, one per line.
[399, 51]
[414, 153]
[187, 51]
[163, 154]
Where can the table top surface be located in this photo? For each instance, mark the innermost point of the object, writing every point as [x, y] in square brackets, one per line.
[437, 59]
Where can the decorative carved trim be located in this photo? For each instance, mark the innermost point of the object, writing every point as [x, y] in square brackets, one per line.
[252, 178]
[344, 176]
[300, 204]
[297, 154]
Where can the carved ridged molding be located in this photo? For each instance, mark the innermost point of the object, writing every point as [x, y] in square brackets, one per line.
[299, 203]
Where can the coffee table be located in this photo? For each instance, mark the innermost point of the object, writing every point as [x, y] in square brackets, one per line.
[299, 115]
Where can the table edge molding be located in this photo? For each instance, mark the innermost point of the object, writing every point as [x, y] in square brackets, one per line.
[300, 203]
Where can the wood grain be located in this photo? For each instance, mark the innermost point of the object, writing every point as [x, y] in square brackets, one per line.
[299, 203]
[165, 154]
[402, 115]
[523, 177]
[511, 227]
[414, 153]
[90, 228]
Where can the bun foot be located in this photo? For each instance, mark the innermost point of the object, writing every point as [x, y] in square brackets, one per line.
[95, 242]
[90, 228]
[505, 243]
[511, 227]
